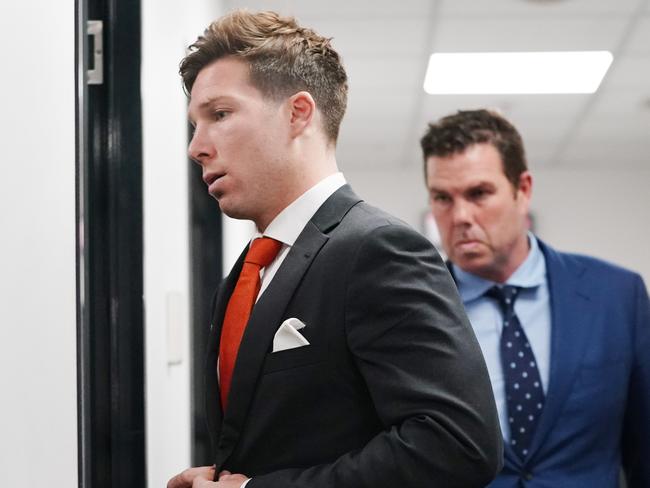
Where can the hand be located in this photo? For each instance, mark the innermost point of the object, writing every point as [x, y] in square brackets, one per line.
[226, 480]
[229, 480]
[187, 477]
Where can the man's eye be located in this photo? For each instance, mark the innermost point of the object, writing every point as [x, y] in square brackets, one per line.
[441, 198]
[477, 194]
[220, 114]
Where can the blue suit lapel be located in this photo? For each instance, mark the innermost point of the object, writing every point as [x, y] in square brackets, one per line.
[571, 316]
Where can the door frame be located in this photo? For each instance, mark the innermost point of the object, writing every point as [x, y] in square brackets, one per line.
[109, 213]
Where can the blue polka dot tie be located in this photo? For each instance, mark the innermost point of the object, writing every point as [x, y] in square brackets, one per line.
[524, 393]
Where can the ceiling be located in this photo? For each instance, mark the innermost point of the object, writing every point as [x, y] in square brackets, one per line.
[385, 47]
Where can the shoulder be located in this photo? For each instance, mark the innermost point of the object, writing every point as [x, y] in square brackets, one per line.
[596, 273]
[364, 219]
[584, 262]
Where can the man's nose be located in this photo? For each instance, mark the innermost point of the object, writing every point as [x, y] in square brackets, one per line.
[200, 149]
[461, 213]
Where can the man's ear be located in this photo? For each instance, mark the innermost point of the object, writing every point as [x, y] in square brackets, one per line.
[525, 190]
[526, 184]
[303, 110]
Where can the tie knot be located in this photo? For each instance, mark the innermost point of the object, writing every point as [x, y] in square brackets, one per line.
[263, 251]
[506, 295]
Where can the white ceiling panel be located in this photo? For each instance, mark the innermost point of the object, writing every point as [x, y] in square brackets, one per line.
[629, 103]
[616, 114]
[616, 129]
[536, 111]
[546, 116]
[627, 72]
[530, 34]
[639, 42]
[394, 72]
[436, 106]
[337, 9]
[375, 37]
[536, 8]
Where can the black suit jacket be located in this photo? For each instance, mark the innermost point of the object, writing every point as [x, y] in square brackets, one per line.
[392, 390]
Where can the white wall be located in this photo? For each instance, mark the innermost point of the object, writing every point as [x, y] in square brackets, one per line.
[602, 213]
[168, 28]
[38, 421]
[236, 234]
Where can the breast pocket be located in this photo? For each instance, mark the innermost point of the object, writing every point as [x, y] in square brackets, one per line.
[603, 384]
[608, 370]
[294, 358]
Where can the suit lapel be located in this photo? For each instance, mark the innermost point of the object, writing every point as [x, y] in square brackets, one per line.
[269, 311]
[571, 316]
[212, 403]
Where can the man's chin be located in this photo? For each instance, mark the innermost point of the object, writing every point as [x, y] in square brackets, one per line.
[473, 263]
[232, 211]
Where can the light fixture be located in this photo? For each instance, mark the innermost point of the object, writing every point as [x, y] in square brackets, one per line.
[516, 72]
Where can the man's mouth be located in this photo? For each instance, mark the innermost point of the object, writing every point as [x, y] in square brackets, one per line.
[210, 178]
[467, 244]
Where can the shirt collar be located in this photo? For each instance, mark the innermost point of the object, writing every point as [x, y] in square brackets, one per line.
[288, 224]
[531, 273]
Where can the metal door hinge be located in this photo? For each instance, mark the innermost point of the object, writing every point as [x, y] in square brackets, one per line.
[96, 74]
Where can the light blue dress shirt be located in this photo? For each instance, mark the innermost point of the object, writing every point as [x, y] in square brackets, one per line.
[533, 309]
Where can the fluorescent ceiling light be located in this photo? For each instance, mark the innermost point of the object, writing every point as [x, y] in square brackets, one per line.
[526, 72]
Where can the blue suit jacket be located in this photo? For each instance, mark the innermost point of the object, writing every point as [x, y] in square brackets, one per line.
[597, 411]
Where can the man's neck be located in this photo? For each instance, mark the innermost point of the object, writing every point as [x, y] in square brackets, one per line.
[301, 187]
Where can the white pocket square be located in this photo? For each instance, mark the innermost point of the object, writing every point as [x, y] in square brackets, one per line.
[288, 337]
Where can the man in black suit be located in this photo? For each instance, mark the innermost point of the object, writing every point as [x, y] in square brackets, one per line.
[356, 366]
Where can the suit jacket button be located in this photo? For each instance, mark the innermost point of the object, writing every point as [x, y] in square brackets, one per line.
[527, 476]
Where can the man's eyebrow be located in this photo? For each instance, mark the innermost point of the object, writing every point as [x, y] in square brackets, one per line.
[473, 186]
[205, 105]
[209, 101]
[481, 184]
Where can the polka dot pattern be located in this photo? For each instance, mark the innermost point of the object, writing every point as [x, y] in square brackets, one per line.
[524, 395]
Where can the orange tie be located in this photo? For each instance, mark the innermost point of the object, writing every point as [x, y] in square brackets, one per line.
[261, 253]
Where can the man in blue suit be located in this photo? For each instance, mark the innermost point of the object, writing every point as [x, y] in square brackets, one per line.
[566, 337]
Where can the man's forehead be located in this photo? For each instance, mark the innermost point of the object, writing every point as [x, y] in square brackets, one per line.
[443, 184]
[203, 101]
[456, 176]
[474, 161]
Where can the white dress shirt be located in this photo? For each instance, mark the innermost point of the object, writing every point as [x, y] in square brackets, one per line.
[533, 308]
[288, 224]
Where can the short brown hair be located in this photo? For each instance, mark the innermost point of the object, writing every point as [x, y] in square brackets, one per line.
[455, 133]
[284, 59]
